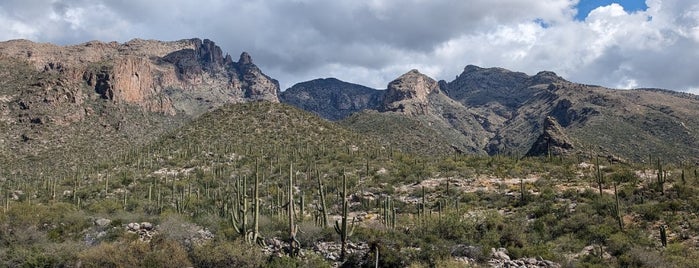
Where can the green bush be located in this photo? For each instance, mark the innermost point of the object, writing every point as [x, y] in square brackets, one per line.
[228, 254]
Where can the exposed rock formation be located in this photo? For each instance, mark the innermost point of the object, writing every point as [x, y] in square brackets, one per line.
[256, 84]
[553, 141]
[164, 77]
[409, 93]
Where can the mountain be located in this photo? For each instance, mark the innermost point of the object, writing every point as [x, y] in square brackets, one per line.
[498, 111]
[66, 105]
[415, 114]
[632, 124]
[331, 98]
[166, 77]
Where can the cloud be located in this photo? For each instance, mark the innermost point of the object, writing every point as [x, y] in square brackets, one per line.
[372, 42]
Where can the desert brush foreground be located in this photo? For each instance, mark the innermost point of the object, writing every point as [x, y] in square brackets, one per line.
[215, 192]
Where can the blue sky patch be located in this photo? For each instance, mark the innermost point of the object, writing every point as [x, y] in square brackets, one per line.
[585, 6]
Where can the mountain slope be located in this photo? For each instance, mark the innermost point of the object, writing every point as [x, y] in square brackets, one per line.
[627, 123]
[331, 98]
[65, 106]
[417, 116]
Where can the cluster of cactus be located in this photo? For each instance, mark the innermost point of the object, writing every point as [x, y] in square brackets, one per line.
[341, 226]
[239, 214]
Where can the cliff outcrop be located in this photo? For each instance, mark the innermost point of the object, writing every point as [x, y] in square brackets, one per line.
[165, 77]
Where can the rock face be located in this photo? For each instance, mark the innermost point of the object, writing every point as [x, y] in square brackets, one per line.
[422, 116]
[331, 98]
[409, 93]
[553, 141]
[165, 77]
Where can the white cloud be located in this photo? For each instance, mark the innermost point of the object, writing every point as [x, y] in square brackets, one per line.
[372, 42]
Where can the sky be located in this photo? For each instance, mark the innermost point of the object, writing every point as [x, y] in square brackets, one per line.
[618, 44]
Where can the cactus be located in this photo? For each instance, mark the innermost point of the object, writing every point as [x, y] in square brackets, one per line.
[600, 179]
[684, 180]
[421, 208]
[239, 214]
[254, 235]
[389, 213]
[302, 204]
[323, 208]
[294, 244]
[341, 226]
[617, 209]
[661, 176]
[663, 236]
[521, 191]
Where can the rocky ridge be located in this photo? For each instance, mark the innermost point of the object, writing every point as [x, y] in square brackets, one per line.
[497, 111]
[408, 94]
[158, 76]
[331, 98]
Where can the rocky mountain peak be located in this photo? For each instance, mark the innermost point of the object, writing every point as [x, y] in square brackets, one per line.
[189, 75]
[245, 58]
[408, 93]
[546, 77]
[209, 54]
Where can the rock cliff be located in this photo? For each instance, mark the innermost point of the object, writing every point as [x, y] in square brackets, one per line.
[165, 77]
[409, 93]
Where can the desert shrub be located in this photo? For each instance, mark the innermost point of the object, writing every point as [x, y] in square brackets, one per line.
[536, 250]
[228, 254]
[624, 175]
[650, 211]
[159, 252]
[309, 260]
[310, 234]
[433, 253]
[41, 255]
[117, 254]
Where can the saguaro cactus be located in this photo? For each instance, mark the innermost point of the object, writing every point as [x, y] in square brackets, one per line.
[600, 179]
[341, 226]
[294, 244]
[323, 207]
[254, 235]
[660, 177]
[617, 209]
[663, 236]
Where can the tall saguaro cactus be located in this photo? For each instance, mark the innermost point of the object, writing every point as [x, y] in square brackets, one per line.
[254, 235]
[294, 244]
[341, 226]
[323, 207]
[663, 236]
[661, 177]
[600, 179]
